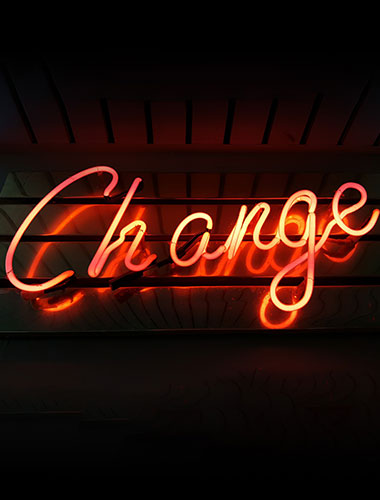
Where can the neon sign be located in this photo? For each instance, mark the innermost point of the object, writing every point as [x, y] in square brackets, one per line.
[306, 248]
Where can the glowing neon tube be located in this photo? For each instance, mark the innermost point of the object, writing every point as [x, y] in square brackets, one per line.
[313, 248]
[30, 217]
[202, 245]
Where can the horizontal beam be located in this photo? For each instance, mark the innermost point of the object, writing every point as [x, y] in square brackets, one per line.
[308, 333]
[116, 200]
[62, 238]
[206, 281]
[192, 158]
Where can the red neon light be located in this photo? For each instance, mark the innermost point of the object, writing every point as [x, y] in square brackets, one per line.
[269, 324]
[231, 246]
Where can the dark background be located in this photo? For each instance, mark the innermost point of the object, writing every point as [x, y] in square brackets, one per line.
[260, 405]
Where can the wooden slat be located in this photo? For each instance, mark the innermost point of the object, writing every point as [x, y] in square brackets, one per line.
[172, 185]
[338, 101]
[128, 121]
[291, 117]
[87, 121]
[234, 185]
[83, 107]
[12, 130]
[366, 126]
[169, 120]
[39, 102]
[209, 122]
[249, 121]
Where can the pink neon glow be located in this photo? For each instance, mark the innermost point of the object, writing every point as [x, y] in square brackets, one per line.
[232, 245]
[339, 217]
[105, 249]
[119, 257]
[36, 210]
[75, 297]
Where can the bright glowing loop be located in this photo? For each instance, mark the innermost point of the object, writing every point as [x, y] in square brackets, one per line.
[269, 324]
[30, 217]
[104, 249]
[309, 238]
[231, 245]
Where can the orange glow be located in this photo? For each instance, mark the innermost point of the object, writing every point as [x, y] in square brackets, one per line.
[344, 249]
[307, 238]
[227, 252]
[114, 263]
[31, 216]
[46, 304]
[202, 245]
[345, 258]
[65, 303]
[105, 249]
[57, 230]
[267, 323]
[269, 261]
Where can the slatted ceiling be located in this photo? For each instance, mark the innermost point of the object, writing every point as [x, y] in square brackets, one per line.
[39, 102]
[302, 180]
[87, 120]
[238, 185]
[169, 122]
[249, 121]
[12, 128]
[151, 217]
[209, 122]
[337, 104]
[93, 185]
[33, 183]
[58, 258]
[203, 185]
[87, 186]
[271, 185]
[7, 223]
[82, 103]
[128, 121]
[172, 185]
[291, 117]
[371, 182]
[332, 181]
[10, 187]
[366, 126]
